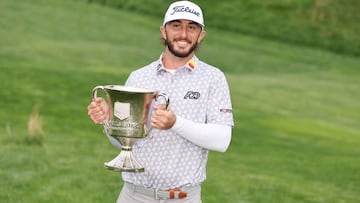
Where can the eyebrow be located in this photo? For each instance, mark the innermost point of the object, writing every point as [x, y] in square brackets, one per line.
[175, 21]
[191, 22]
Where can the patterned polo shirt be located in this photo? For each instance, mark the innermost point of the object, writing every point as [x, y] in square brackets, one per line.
[198, 92]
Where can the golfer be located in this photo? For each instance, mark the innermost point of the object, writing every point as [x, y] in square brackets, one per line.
[199, 117]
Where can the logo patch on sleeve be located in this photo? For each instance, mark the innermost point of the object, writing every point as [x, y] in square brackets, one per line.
[225, 110]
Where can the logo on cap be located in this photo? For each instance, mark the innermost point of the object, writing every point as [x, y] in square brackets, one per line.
[177, 9]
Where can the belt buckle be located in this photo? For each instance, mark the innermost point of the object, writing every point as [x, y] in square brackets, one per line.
[156, 191]
[170, 194]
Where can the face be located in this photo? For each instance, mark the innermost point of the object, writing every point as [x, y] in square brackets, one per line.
[182, 37]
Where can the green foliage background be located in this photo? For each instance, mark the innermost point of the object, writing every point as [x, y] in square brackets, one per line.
[327, 24]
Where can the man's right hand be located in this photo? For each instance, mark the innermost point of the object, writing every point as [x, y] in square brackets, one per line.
[98, 111]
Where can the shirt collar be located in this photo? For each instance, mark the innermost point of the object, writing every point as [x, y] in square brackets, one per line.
[191, 65]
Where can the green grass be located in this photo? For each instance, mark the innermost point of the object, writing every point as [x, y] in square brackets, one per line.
[296, 109]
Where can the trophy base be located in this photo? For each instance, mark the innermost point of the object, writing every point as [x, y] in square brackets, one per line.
[123, 169]
[124, 162]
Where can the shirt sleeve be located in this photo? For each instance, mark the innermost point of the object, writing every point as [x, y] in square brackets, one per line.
[219, 107]
[210, 136]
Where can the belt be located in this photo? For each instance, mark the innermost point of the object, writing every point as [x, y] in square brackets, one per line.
[176, 193]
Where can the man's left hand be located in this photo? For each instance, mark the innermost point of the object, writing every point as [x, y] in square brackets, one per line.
[162, 118]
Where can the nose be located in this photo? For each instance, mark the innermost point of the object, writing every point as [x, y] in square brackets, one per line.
[183, 32]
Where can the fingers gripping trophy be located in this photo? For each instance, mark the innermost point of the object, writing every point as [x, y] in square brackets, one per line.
[129, 110]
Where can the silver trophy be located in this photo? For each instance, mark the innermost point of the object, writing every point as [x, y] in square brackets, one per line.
[129, 112]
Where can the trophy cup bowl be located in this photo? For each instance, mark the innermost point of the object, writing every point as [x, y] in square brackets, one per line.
[129, 109]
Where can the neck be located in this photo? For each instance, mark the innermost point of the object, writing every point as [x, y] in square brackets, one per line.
[171, 61]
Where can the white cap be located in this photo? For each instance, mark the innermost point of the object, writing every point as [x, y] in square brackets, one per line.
[184, 10]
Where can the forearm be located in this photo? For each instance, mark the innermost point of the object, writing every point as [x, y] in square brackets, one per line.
[210, 136]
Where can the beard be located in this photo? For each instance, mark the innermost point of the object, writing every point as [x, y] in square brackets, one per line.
[171, 48]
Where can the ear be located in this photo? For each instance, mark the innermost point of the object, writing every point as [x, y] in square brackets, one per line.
[163, 32]
[201, 36]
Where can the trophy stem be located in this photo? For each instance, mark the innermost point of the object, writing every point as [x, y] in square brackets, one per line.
[124, 162]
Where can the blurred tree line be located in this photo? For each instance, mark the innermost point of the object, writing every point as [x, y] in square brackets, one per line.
[326, 24]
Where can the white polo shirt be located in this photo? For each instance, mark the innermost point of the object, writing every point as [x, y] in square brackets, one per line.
[198, 92]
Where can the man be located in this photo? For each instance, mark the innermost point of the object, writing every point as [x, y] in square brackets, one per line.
[199, 118]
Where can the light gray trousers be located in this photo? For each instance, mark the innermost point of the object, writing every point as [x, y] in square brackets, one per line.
[127, 195]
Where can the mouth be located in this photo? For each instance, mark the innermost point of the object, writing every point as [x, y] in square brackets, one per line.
[181, 47]
[182, 43]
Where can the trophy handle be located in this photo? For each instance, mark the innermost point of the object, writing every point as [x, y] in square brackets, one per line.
[94, 96]
[166, 98]
[94, 91]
